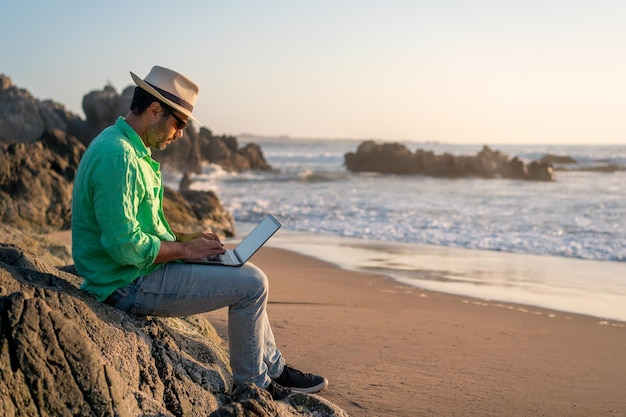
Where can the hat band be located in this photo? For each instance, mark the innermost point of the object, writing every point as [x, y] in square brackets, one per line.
[171, 97]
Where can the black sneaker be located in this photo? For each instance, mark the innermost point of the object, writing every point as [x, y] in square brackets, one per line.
[301, 382]
[278, 392]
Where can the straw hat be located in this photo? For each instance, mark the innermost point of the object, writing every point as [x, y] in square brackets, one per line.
[172, 88]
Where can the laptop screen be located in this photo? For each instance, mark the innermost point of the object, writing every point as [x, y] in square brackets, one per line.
[256, 238]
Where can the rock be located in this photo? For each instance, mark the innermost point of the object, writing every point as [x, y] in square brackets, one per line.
[183, 155]
[225, 152]
[604, 168]
[19, 114]
[253, 154]
[198, 147]
[557, 159]
[395, 158]
[36, 181]
[102, 107]
[63, 353]
[190, 211]
[540, 171]
[23, 118]
[386, 158]
[185, 182]
[250, 400]
[516, 169]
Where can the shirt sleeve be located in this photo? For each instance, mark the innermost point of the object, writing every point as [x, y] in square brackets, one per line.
[118, 191]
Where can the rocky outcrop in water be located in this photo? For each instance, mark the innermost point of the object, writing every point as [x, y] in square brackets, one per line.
[567, 163]
[63, 353]
[395, 158]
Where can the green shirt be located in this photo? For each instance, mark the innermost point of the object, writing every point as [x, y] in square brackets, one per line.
[117, 211]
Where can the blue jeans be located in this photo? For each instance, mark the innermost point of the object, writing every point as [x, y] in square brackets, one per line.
[179, 289]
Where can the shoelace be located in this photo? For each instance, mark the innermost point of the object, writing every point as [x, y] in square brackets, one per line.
[300, 373]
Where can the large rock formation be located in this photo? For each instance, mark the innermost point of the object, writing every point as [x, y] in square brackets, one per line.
[103, 107]
[23, 118]
[198, 147]
[63, 353]
[36, 181]
[225, 151]
[396, 158]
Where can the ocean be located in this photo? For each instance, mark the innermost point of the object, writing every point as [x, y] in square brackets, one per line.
[559, 245]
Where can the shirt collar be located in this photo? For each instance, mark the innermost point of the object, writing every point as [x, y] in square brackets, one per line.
[133, 138]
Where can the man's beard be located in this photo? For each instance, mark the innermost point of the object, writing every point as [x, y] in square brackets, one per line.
[156, 136]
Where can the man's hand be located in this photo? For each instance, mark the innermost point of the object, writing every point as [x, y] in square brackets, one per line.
[187, 237]
[190, 246]
[202, 247]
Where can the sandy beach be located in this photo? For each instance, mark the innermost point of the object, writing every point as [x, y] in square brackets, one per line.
[393, 350]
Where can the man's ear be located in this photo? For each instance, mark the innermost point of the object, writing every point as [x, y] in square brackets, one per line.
[154, 110]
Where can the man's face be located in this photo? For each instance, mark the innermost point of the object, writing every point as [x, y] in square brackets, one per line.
[166, 130]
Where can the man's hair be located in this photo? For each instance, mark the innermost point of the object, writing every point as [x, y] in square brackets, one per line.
[142, 100]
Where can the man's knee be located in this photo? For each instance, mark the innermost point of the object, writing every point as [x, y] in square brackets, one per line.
[256, 276]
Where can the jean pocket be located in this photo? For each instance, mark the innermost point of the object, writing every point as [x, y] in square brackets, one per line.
[123, 297]
[144, 300]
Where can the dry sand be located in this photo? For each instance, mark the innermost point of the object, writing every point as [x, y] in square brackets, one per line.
[392, 350]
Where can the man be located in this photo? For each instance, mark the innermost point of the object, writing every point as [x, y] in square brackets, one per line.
[129, 256]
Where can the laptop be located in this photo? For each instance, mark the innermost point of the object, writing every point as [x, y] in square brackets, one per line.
[246, 248]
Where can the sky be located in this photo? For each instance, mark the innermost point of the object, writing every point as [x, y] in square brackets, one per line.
[452, 71]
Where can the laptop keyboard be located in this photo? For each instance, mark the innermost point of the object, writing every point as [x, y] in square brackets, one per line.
[228, 258]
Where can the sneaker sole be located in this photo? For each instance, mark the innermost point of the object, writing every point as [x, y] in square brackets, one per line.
[311, 390]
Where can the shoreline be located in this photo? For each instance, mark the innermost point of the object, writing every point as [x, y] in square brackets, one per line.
[389, 349]
[569, 285]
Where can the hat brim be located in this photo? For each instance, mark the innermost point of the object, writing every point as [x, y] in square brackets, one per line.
[147, 87]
